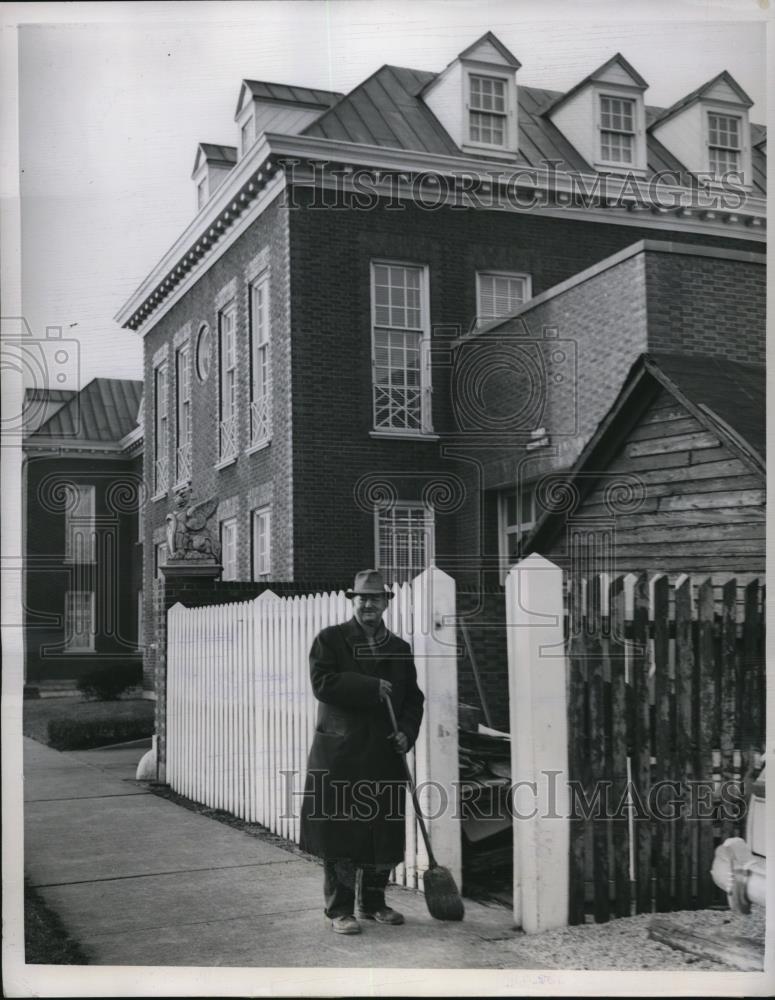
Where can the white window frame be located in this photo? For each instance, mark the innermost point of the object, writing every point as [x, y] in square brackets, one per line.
[228, 524]
[69, 616]
[183, 441]
[424, 331]
[227, 385]
[260, 363]
[262, 568]
[161, 470]
[521, 528]
[80, 525]
[430, 535]
[509, 144]
[516, 275]
[639, 155]
[739, 149]
[632, 132]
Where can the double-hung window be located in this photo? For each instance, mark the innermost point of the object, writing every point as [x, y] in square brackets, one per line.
[260, 374]
[161, 437]
[80, 537]
[183, 414]
[79, 620]
[261, 523]
[404, 542]
[229, 548]
[617, 129]
[499, 294]
[227, 354]
[517, 514]
[723, 143]
[400, 336]
[487, 110]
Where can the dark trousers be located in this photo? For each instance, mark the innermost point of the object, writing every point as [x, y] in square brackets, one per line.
[341, 880]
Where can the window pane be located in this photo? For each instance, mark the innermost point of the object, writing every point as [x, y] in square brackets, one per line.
[404, 542]
[616, 114]
[500, 294]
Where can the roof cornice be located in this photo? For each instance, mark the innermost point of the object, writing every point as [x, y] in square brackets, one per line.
[627, 201]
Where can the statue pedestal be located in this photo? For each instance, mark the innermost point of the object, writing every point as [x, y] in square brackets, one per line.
[200, 569]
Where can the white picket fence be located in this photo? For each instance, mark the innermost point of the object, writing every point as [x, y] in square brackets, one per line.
[241, 713]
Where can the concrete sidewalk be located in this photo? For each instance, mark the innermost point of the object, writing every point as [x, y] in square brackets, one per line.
[139, 880]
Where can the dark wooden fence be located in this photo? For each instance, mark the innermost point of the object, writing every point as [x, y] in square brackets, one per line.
[666, 719]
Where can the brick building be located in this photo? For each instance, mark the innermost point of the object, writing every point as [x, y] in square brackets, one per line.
[83, 482]
[322, 350]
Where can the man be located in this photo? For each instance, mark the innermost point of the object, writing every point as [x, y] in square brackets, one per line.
[354, 798]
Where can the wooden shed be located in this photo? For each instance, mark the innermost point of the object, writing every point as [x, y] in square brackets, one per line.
[673, 479]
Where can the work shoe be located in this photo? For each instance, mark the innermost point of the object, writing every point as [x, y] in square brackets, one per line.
[346, 925]
[385, 915]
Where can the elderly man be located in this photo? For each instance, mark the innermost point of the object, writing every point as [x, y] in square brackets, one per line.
[354, 799]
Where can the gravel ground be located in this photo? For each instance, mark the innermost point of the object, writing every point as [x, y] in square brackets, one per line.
[624, 943]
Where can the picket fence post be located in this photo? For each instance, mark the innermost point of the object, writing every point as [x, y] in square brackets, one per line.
[537, 660]
[436, 752]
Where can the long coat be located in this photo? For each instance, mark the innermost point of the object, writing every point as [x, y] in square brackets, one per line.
[354, 795]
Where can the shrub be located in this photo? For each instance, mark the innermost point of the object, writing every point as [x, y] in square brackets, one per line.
[84, 734]
[107, 683]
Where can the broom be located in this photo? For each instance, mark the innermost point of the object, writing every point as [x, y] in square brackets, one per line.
[441, 895]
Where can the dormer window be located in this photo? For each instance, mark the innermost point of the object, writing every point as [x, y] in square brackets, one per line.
[487, 110]
[604, 117]
[475, 99]
[617, 129]
[246, 136]
[709, 131]
[724, 145]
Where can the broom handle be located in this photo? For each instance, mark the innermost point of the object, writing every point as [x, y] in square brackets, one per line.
[410, 780]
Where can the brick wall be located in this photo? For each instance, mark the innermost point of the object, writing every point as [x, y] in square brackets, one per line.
[330, 251]
[256, 478]
[702, 305]
[112, 577]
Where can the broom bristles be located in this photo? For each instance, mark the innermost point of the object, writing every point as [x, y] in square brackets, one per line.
[441, 895]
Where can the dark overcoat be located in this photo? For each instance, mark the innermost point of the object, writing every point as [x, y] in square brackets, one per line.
[354, 794]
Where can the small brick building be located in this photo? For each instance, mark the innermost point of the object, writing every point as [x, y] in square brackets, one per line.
[83, 474]
[325, 346]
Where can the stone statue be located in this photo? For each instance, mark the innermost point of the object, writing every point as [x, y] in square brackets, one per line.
[188, 536]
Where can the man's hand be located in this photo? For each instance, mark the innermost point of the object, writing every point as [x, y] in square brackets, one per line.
[385, 689]
[400, 741]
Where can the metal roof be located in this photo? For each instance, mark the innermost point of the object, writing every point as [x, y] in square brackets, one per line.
[266, 91]
[386, 110]
[104, 410]
[225, 154]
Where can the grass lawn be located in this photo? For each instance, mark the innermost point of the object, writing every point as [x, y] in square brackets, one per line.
[46, 942]
[37, 713]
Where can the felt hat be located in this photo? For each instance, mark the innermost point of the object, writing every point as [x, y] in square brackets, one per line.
[369, 582]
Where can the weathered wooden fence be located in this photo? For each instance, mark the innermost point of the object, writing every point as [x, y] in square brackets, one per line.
[644, 697]
[241, 713]
[666, 715]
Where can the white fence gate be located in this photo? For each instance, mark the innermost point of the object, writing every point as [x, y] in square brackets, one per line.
[241, 713]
